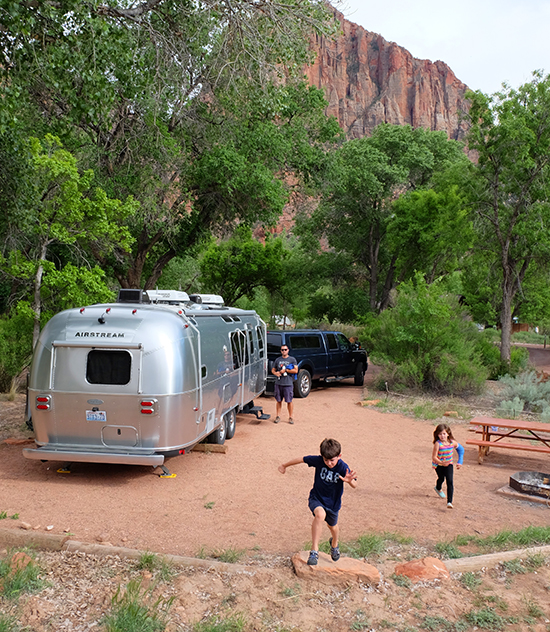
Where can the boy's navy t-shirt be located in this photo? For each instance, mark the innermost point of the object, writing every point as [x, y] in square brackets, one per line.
[327, 484]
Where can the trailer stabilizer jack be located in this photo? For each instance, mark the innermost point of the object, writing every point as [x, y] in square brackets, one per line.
[166, 472]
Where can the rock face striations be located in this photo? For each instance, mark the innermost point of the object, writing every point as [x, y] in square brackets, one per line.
[368, 80]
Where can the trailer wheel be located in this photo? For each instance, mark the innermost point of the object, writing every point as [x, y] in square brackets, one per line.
[230, 424]
[219, 435]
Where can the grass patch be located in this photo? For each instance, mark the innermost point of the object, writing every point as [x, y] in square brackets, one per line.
[135, 610]
[235, 623]
[7, 624]
[367, 545]
[505, 541]
[470, 581]
[439, 624]
[230, 555]
[448, 550]
[17, 579]
[486, 619]
[155, 564]
[402, 580]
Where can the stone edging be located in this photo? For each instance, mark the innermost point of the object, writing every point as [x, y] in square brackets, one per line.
[53, 542]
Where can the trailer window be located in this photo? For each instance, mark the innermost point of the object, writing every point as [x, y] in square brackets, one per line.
[250, 341]
[106, 366]
[260, 333]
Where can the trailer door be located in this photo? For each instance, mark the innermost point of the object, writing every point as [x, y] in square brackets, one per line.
[239, 349]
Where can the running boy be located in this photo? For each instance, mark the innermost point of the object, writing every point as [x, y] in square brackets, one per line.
[325, 499]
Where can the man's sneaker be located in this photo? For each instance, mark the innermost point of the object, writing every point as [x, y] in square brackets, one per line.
[277, 420]
[439, 492]
[290, 420]
[313, 558]
[334, 551]
[449, 505]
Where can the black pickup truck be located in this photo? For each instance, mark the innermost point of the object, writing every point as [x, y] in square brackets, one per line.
[321, 355]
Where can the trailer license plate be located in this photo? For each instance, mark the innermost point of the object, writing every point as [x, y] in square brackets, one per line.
[96, 415]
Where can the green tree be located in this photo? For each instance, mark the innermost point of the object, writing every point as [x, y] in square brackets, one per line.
[64, 209]
[510, 188]
[172, 102]
[426, 341]
[238, 266]
[358, 208]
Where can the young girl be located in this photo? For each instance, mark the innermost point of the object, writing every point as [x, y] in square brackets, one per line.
[442, 460]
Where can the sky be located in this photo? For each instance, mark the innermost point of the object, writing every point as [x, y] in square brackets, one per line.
[484, 42]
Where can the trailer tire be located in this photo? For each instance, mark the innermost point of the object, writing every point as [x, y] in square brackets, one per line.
[219, 435]
[230, 424]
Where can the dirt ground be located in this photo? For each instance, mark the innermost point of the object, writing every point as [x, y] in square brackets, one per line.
[239, 501]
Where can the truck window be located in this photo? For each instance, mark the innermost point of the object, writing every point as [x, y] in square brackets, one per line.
[274, 343]
[332, 342]
[308, 341]
[344, 342]
[106, 366]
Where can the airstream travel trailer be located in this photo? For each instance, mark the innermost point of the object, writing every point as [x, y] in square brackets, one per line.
[143, 378]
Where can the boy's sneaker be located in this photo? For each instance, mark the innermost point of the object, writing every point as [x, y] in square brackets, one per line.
[276, 420]
[439, 492]
[290, 420]
[449, 505]
[334, 551]
[313, 558]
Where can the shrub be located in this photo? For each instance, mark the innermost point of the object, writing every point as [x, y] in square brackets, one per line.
[427, 342]
[489, 353]
[527, 388]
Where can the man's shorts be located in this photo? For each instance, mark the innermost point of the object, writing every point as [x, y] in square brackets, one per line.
[286, 392]
[331, 518]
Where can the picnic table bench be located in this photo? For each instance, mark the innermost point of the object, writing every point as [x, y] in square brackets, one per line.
[534, 436]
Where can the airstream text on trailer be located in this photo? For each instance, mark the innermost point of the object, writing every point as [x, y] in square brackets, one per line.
[143, 378]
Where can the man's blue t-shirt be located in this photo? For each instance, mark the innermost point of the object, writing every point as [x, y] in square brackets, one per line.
[327, 484]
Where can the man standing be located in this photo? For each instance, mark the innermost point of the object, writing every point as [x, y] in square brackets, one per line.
[284, 368]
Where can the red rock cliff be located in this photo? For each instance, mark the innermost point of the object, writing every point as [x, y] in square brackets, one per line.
[368, 80]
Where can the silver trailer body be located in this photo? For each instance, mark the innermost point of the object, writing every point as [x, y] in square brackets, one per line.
[138, 380]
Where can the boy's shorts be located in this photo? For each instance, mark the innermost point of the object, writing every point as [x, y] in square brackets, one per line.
[331, 517]
[282, 391]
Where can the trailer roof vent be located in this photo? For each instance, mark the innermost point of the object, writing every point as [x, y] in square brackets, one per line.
[126, 295]
[212, 300]
[167, 297]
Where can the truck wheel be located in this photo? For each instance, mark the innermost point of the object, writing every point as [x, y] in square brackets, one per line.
[230, 423]
[219, 435]
[302, 386]
[359, 378]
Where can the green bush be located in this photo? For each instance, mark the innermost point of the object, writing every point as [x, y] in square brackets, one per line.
[426, 342]
[489, 352]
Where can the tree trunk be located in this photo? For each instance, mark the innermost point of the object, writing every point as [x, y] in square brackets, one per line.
[506, 320]
[37, 301]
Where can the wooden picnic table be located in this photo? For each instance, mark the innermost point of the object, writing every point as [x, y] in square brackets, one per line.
[502, 433]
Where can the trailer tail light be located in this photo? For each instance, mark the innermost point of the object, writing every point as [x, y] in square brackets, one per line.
[148, 406]
[43, 402]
